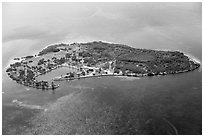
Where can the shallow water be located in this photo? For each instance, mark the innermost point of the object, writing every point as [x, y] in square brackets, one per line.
[176, 98]
[55, 73]
[149, 105]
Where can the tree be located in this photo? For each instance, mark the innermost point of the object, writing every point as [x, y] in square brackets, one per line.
[116, 71]
[150, 74]
[9, 69]
[62, 60]
[41, 61]
[71, 74]
[30, 74]
[83, 73]
[80, 54]
[74, 57]
[17, 64]
[67, 55]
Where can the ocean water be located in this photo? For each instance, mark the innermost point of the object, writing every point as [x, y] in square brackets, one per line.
[169, 104]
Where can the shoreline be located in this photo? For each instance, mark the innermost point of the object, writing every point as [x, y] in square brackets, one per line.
[196, 63]
[193, 58]
[119, 75]
[84, 77]
[102, 75]
[190, 56]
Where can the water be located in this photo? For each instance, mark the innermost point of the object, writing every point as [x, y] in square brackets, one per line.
[177, 98]
[112, 105]
[151, 102]
[148, 103]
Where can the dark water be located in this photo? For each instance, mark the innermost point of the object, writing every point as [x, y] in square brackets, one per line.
[173, 98]
[155, 101]
[156, 105]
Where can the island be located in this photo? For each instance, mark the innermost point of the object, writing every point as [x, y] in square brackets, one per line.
[95, 59]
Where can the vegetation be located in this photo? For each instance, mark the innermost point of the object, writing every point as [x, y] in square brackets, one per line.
[138, 60]
[121, 59]
[28, 57]
[49, 50]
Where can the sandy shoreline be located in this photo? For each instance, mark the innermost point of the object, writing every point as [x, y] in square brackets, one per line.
[190, 56]
[193, 58]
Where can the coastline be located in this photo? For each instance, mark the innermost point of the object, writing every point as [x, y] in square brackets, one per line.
[127, 73]
[190, 56]
[193, 58]
[46, 111]
[83, 77]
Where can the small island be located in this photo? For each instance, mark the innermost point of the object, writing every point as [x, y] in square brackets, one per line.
[94, 59]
